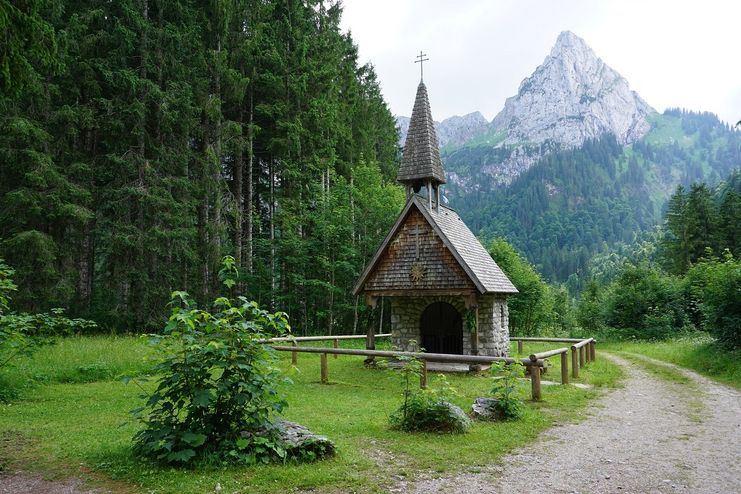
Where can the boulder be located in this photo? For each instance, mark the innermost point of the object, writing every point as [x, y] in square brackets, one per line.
[483, 408]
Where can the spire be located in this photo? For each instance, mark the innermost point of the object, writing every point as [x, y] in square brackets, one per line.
[420, 161]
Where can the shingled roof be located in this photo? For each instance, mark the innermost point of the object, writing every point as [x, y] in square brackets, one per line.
[421, 157]
[460, 241]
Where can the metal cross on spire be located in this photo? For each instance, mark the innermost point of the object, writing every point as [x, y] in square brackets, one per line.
[420, 61]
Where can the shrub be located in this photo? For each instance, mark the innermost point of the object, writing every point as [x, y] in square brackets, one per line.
[715, 289]
[218, 390]
[506, 406]
[427, 410]
[645, 303]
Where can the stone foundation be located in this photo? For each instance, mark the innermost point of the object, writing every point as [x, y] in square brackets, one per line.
[406, 314]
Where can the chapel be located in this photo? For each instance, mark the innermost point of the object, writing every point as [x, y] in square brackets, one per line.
[446, 292]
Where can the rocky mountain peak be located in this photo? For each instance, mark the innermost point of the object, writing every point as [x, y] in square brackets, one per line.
[454, 130]
[571, 97]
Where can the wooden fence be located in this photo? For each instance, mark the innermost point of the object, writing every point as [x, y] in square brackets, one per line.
[534, 363]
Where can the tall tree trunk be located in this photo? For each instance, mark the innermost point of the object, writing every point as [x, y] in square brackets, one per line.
[138, 282]
[237, 186]
[248, 199]
[273, 283]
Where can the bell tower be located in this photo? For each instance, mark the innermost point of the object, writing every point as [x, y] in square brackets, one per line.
[421, 166]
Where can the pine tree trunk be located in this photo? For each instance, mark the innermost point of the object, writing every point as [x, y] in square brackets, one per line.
[250, 170]
[138, 282]
[237, 187]
[271, 209]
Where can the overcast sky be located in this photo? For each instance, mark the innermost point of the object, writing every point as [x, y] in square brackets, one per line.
[672, 52]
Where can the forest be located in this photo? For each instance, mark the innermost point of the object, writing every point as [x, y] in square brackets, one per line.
[141, 141]
[680, 279]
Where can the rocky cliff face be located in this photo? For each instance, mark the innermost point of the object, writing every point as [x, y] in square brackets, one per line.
[573, 96]
[454, 130]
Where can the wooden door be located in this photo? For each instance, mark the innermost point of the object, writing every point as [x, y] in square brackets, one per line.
[441, 329]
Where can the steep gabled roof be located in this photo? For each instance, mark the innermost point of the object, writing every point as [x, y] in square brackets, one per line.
[460, 241]
[421, 157]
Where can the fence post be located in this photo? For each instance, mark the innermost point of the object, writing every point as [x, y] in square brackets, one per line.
[593, 350]
[519, 347]
[574, 363]
[535, 380]
[294, 355]
[336, 345]
[423, 375]
[582, 358]
[565, 367]
[325, 369]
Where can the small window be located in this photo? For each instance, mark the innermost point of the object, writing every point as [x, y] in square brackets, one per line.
[501, 316]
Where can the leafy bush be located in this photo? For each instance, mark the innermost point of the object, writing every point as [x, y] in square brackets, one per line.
[506, 406]
[427, 410]
[645, 303]
[218, 389]
[715, 290]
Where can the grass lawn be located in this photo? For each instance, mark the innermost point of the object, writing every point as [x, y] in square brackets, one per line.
[698, 353]
[69, 423]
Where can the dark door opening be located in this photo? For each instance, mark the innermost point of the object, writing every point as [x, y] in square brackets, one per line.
[441, 328]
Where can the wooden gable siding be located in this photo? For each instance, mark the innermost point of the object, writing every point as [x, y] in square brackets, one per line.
[393, 270]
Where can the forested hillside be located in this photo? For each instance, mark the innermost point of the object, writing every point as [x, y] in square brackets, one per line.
[575, 203]
[153, 137]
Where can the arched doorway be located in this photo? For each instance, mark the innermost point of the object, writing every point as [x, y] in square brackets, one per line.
[441, 329]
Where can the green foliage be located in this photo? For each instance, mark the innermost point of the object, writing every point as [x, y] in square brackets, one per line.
[429, 410]
[29, 44]
[425, 410]
[714, 286]
[645, 303]
[6, 286]
[530, 309]
[218, 388]
[507, 406]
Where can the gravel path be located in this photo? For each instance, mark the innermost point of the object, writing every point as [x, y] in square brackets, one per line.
[652, 436]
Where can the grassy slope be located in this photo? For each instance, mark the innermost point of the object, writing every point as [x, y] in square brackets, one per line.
[699, 354]
[70, 424]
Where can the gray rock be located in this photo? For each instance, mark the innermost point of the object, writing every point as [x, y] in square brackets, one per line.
[298, 441]
[461, 417]
[573, 96]
[483, 408]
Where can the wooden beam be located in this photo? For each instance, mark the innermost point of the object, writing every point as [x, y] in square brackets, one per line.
[574, 362]
[535, 380]
[423, 375]
[519, 347]
[325, 369]
[565, 367]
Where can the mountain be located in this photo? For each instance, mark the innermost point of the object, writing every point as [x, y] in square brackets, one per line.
[577, 163]
[573, 96]
[453, 131]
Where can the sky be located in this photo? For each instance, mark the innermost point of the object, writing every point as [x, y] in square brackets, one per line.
[674, 53]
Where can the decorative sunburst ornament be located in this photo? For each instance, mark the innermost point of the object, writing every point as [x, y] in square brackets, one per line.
[417, 273]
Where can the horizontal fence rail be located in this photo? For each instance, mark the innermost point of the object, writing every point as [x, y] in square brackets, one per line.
[323, 338]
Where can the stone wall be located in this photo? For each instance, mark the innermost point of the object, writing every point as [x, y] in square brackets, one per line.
[406, 313]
